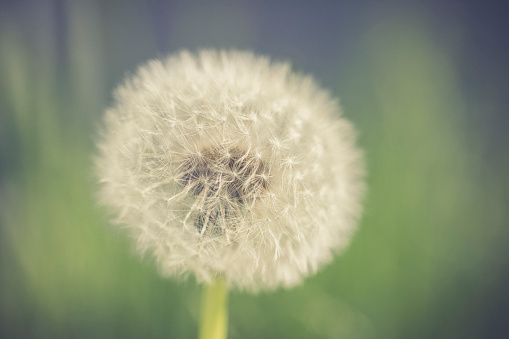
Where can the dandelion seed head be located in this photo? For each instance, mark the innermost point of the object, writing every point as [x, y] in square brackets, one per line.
[226, 164]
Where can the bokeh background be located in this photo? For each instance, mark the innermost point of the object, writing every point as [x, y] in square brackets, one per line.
[426, 84]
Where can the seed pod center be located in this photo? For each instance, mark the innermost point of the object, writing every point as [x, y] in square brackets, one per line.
[225, 181]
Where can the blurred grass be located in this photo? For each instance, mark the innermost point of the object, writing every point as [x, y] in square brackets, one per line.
[428, 252]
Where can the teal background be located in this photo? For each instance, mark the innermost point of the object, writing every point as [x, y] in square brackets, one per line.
[425, 83]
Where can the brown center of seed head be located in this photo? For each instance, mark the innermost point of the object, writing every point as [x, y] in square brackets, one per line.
[224, 181]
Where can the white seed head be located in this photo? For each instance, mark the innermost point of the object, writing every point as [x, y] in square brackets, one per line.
[223, 164]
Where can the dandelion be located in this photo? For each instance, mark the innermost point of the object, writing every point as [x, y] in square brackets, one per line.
[223, 165]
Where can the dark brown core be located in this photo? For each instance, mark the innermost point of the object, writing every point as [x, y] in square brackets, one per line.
[225, 181]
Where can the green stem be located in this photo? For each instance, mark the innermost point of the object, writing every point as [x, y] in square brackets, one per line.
[214, 311]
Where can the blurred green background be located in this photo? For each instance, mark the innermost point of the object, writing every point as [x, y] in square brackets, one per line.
[424, 82]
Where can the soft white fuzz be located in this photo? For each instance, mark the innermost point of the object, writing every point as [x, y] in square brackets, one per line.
[223, 164]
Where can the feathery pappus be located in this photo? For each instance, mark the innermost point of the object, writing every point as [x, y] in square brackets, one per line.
[225, 164]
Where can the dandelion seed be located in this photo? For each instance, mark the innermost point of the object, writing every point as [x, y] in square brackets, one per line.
[223, 164]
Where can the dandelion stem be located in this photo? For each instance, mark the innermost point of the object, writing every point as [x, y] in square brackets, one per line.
[214, 311]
